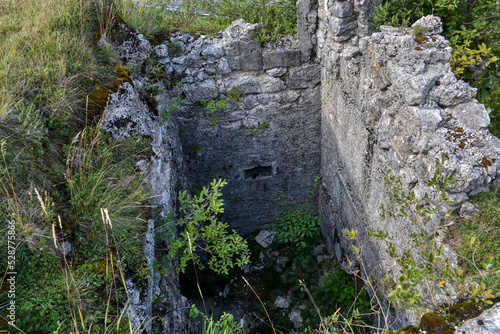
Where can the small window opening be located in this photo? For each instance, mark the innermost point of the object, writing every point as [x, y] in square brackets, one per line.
[258, 172]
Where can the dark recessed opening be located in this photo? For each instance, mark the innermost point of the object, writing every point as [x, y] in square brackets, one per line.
[258, 172]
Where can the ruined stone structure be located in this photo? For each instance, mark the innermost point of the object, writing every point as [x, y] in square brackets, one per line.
[341, 101]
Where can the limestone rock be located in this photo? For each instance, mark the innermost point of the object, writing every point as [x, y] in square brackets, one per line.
[486, 323]
[307, 14]
[134, 48]
[296, 317]
[205, 90]
[342, 9]
[127, 114]
[277, 72]
[304, 76]
[342, 28]
[319, 250]
[472, 115]
[265, 238]
[212, 52]
[469, 211]
[242, 52]
[282, 58]
[281, 262]
[431, 23]
[281, 302]
[66, 248]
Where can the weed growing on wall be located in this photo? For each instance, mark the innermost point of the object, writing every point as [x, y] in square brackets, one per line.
[426, 277]
[202, 231]
[213, 107]
[477, 240]
[250, 131]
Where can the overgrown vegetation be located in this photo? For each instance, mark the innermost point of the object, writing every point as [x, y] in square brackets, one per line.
[473, 29]
[426, 280]
[296, 227]
[477, 240]
[214, 107]
[202, 230]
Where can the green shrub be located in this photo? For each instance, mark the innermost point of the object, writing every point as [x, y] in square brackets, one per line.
[298, 228]
[339, 291]
[201, 230]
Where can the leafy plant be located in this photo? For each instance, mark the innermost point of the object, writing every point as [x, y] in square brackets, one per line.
[339, 291]
[201, 230]
[174, 49]
[253, 131]
[225, 325]
[214, 106]
[477, 240]
[173, 105]
[296, 227]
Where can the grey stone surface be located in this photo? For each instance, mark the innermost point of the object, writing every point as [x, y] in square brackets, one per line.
[469, 211]
[307, 15]
[431, 23]
[342, 28]
[264, 238]
[66, 248]
[242, 52]
[486, 323]
[472, 115]
[319, 250]
[127, 114]
[272, 59]
[204, 90]
[342, 9]
[132, 46]
[305, 76]
[281, 302]
[277, 72]
[281, 262]
[296, 317]
[392, 102]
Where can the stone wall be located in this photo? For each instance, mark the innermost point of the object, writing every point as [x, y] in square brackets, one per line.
[391, 101]
[341, 101]
[281, 95]
[267, 141]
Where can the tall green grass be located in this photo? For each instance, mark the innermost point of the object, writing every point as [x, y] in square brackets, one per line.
[276, 18]
[57, 170]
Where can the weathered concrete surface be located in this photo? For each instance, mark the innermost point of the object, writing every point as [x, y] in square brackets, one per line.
[125, 115]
